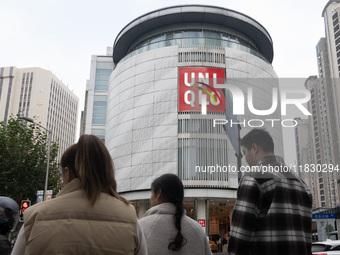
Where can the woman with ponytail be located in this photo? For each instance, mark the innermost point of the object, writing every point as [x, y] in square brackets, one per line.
[88, 216]
[166, 227]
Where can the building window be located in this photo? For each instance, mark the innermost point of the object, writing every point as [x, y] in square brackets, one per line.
[102, 76]
[99, 109]
[194, 38]
[99, 132]
[335, 15]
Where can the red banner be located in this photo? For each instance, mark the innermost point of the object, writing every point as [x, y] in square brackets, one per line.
[195, 83]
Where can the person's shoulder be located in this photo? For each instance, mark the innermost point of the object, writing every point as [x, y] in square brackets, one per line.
[154, 224]
[39, 208]
[111, 205]
[250, 178]
[149, 219]
[191, 221]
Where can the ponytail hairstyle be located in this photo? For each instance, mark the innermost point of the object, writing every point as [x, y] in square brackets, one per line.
[173, 192]
[92, 163]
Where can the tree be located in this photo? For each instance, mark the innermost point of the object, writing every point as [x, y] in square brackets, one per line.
[328, 229]
[23, 160]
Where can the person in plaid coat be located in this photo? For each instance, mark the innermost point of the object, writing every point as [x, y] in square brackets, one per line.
[273, 211]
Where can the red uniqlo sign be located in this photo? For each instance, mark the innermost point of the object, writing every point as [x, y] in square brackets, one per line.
[198, 82]
[202, 223]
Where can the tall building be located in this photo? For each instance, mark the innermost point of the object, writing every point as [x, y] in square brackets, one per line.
[328, 53]
[313, 149]
[156, 119]
[38, 94]
[304, 147]
[93, 119]
[324, 125]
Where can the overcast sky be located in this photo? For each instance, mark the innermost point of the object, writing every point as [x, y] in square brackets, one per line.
[61, 35]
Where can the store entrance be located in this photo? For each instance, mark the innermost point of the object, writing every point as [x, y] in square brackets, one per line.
[217, 222]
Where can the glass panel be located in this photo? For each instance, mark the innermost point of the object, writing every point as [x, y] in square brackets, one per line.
[100, 87]
[168, 38]
[177, 38]
[104, 71]
[99, 103]
[99, 109]
[178, 35]
[157, 39]
[100, 98]
[98, 120]
[103, 76]
[190, 34]
[212, 38]
[98, 131]
[99, 114]
[106, 82]
[104, 65]
[193, 38]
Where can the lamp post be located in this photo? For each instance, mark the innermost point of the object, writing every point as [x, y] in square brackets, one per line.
[48, 151]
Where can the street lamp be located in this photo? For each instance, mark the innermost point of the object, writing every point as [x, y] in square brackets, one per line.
[48, 151]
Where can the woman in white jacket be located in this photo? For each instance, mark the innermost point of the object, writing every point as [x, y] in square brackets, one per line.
[166, 227]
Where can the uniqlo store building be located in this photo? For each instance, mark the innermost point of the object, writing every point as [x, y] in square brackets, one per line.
[156, 121]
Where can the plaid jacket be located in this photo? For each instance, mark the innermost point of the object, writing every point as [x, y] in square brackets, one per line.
[272, 214]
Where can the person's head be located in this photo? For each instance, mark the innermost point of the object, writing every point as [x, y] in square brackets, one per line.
[9, 215]
[226, 236]
[90, 161]
[257, 144]
[168, 188]
[67, 163]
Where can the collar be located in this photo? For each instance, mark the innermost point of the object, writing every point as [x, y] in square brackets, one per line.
[164, 208]
[271, 159]
[72, 186]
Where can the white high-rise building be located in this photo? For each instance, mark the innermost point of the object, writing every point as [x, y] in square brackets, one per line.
[324, 124]
[313, 150]
[93, 119]
[38, 94]
[328, 53]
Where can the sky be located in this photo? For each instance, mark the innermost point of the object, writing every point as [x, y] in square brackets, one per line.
[62, 35]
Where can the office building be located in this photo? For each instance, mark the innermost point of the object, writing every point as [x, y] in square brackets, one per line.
[93, 119]
[38, 94]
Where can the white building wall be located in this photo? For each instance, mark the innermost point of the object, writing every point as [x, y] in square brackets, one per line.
[142, 121]
[142, 118]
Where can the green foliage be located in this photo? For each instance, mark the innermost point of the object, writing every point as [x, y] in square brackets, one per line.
[23, 160]
[328, 229]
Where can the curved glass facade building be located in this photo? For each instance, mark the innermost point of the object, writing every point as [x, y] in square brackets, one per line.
[157, 121]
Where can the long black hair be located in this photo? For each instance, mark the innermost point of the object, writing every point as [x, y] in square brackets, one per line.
[173, 192]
